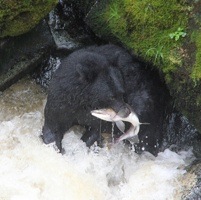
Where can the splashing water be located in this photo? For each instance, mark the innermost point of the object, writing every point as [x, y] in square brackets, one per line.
[32, 170]
[112, 133]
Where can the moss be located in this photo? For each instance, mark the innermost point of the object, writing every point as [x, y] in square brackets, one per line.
[116, 21]
[145, 27]
[17, 17]
[198, 100]
[196, 72]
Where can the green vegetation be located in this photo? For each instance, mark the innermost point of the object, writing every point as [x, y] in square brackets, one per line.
[17, 17]
[154, 29]
[196, 72]
[177, 34]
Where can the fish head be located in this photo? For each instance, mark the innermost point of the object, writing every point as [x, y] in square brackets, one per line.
[109, 114]
[105, 114]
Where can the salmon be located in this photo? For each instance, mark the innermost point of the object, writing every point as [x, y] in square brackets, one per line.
[110, 115]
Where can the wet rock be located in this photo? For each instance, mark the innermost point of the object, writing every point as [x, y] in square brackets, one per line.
[44, 73]
[195, 191]
[68, 28]
[22, 54]
[179, 133]
[197, 148]
[69, 32]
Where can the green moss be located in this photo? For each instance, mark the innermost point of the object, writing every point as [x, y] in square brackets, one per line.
[145, 27]
[196, 72]
[17, 17]
[198, 100]
[116, 21]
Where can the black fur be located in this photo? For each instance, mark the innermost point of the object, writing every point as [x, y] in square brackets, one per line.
[103, 77]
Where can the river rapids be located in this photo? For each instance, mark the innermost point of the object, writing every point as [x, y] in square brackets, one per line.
[31, 170]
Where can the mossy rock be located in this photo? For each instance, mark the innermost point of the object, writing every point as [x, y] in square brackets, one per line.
[165, 33]
[18, 17]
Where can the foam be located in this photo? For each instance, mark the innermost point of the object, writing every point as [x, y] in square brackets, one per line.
[32, 170]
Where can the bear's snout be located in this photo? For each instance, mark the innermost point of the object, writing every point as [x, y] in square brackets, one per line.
[122, 109]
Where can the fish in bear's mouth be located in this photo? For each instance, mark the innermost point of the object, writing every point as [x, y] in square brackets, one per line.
[110, 115]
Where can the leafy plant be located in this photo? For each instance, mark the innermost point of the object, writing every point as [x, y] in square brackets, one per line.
[114, 12]
[178, 34]
[157, 53]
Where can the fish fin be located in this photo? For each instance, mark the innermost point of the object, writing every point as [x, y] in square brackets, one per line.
[120, 126]
[145, 123]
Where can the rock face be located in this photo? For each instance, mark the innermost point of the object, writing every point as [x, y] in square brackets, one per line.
[68, 27]
[166, 34]
[17, 17]
[21, 54]
[64, 31]
[192, 179]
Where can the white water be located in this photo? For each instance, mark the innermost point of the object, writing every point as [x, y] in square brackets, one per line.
[30, 170]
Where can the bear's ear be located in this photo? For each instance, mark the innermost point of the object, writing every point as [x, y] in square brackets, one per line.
[85, 73]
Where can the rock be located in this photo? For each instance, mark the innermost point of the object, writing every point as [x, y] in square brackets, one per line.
[69, 32]
[193, 179]
[68, 27]
[18, 17]
[21, 54]
[180, 132]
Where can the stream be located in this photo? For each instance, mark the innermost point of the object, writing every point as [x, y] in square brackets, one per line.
[32, 170]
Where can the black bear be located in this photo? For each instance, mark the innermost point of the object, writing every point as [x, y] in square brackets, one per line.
[104, 77]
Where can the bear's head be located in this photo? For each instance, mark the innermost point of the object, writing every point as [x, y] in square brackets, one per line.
[103, 85]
